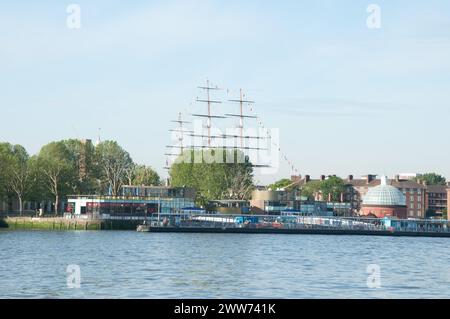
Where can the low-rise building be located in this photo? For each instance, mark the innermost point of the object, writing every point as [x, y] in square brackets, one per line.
[134, 201]
[384, 200]
[414, 193]
[229, 206]
[274, 202]
[351, 202]
[437, 200]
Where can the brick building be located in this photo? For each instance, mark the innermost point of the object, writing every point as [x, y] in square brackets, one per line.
[437, 199]
[414, 193]
[384, 200]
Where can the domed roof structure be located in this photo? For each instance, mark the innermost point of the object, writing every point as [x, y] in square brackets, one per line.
[384, 195]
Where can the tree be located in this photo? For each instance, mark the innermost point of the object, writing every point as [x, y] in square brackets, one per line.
[143, 175]
[281, 184]
[81, 155]
[332, 188]
[431, 179]
[57, 171]
[238, 178]
[20, 174]
[16, 175]
[229, 176]
[4, 163]
[113, 162]
[310, 189]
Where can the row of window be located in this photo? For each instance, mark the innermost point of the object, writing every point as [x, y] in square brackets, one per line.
[412, 205]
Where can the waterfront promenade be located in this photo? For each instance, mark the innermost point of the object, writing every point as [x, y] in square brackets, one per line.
[251, 224]
[61, 223]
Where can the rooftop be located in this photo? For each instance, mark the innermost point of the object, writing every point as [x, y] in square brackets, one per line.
[384, 195]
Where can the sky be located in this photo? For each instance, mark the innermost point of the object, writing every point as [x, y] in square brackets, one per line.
[346, 98]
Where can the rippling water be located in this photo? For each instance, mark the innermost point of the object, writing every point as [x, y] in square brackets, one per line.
[146, 265]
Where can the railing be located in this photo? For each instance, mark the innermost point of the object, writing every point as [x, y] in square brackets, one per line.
[304, 222]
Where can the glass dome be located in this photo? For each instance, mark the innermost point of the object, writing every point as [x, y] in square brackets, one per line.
[384, 195]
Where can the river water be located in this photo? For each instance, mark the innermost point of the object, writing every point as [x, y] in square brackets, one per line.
[35, 264]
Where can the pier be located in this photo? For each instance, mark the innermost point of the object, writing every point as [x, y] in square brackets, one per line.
[289, 224]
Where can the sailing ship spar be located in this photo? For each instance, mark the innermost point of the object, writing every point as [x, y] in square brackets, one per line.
[210, 140]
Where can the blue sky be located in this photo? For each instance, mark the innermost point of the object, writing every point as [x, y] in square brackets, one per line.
[347, 99]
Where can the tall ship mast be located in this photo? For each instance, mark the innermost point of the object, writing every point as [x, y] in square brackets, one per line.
[210, 137]
[209, 116]
[180, 132]
[242, 118]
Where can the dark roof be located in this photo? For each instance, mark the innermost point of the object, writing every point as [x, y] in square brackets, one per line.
[362, 182]
[357, 182]
[376, 182]
[436, 189]
[399, 184]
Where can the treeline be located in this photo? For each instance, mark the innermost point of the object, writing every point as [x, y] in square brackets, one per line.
[330, 188]
[215, 174]
[68, 167]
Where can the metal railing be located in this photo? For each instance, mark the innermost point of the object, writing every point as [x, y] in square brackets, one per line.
[303, 222]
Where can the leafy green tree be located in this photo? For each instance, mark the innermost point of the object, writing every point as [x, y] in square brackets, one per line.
[82, 156]
[238, 178]
[4, 164]
[16, 174]
[113, 163]
[20, 174]
[228, 176]
[310, 189]
[332, 188]
[144, 175]
[281, 184]
[431, 179]
[56, 170]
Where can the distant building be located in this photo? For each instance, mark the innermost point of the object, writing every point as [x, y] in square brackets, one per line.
[408, 176]
[135, 201]
[229, 206]
[343, 207]
[414, 193]
[274, 202]
[351, 201]
[437, 199]
[384, 200]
